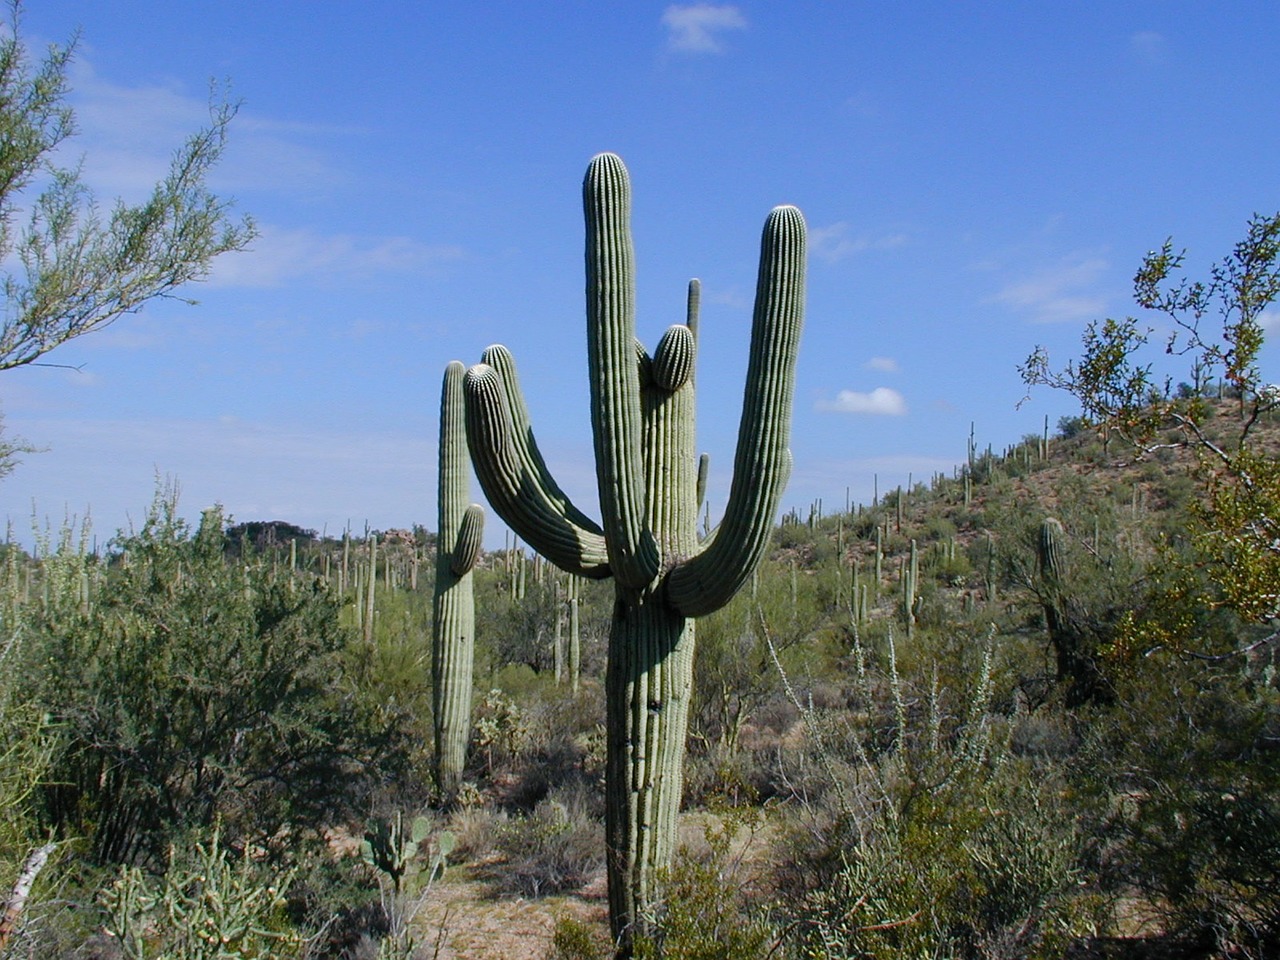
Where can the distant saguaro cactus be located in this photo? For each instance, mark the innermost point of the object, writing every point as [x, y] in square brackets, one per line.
[642, 415]
[1050, 566]
[461, 530]
[1070, 633]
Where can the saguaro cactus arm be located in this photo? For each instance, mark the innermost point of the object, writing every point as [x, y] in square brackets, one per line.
[516, 489]
[762, 462]
[615, 380]
[500, 358]
[466, 550]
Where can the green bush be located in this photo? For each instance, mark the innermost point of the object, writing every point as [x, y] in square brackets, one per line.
[706, 911]
[188, 690]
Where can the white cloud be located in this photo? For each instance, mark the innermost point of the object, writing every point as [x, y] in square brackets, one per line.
[884, 364]
[834, 243]
[1059, 293]
[278, 255]
[1269, 320]
[882, 401]
[694, 28]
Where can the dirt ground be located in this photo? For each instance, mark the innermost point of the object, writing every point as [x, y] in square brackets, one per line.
[461, 922]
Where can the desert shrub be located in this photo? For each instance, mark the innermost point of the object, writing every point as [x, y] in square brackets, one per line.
[985, 868]
[187, 690]
[557, 847]
[1186, 763]
[706, 911]
[575, 940]
[476, 829]
[922, 833]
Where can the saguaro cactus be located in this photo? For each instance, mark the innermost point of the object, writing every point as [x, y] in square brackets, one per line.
[642, 416]
[1071, 633]
[453, 610]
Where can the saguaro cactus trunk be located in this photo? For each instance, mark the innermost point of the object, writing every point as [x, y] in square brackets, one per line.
[642, 415]
[453, 610]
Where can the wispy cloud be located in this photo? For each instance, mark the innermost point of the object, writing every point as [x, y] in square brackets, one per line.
[1058, 293]
[882, 401]
[278, 255]
[695, 28]
[836, 242]
[1149, 46]
[127, 136]
[883, 364]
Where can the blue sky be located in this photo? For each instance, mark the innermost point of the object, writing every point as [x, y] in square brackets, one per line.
[977, 179]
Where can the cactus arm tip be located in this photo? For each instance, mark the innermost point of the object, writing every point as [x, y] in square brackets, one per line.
[466, 550]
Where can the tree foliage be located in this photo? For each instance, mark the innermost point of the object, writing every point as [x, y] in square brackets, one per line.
[74, 268]
[1216, 325]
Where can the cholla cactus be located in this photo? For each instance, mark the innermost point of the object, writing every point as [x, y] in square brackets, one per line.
[642, 415]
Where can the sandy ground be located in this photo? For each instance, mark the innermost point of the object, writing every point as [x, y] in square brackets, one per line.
[460, 922]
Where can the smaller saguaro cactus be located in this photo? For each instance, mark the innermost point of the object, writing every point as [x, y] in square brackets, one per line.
[1050, 570]
[453, 611]
[910, 585]
[1070, 634]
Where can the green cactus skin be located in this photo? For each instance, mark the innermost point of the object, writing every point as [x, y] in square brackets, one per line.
[910, 583]
[1049, 550]
[1073, 645]
[642, 415]
[461, 529]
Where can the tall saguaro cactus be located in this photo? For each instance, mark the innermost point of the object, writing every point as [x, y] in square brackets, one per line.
[453, 611]
[642, 416]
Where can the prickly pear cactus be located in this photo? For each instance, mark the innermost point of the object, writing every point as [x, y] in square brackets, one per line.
[647, 471]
